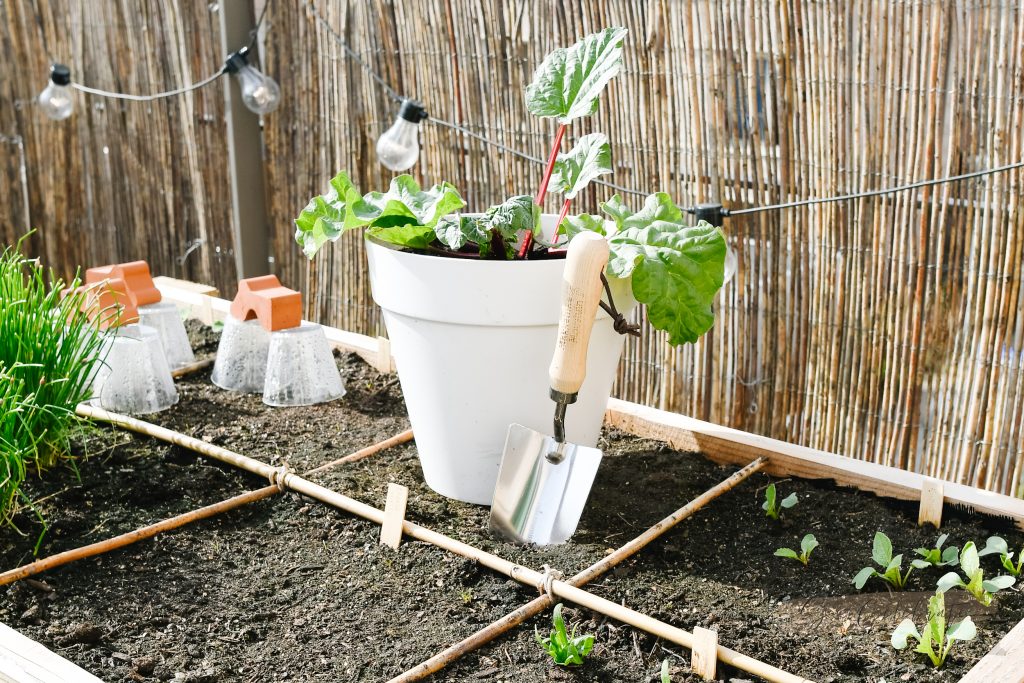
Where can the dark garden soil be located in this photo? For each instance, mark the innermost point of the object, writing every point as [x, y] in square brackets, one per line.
[290, 589]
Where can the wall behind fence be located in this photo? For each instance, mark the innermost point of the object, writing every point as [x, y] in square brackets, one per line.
[888, 329]
[118, 180]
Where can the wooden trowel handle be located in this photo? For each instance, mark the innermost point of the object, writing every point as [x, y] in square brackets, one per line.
[581, 294]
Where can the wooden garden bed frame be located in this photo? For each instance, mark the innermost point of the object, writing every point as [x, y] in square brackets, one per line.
[1003, 664]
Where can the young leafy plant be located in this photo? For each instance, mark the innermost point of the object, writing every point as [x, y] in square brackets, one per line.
[997, 545]
[665, 678]
[807, 545]
[892, 567]
[936, 556]
[565, 649]
[937, 640]
[970, 563]
[772, 506]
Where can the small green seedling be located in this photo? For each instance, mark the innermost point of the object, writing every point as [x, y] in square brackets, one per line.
[665, 678]
[936, 556]
[892, 567]
[772, 507]
[807, 546]
[565, 649]
[996, 545]
[937, 640]
[976, 584]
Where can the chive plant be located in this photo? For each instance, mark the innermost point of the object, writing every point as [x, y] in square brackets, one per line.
[48, 350]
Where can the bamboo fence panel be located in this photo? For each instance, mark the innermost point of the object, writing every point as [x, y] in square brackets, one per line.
[887, 328]
[119, 180]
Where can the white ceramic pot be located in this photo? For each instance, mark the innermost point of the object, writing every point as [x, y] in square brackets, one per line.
[472, 342]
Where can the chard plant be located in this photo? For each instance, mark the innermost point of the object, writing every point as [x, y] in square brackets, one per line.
[564, 648]
[48, 350]
[936, 556]
[807, 545]
[938, 639]
[996, 545]
[982, 589]
[772, 506]
[892, 567]
[673, 267]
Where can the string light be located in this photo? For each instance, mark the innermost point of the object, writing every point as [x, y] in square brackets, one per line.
[260, 93]
[55, 99]
[399, 147]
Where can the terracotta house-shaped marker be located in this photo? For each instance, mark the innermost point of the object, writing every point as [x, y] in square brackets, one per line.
[137, 281]
[264, 298]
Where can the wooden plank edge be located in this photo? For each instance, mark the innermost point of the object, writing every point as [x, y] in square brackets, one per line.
[23, 660]
[210, 309]
[1004, 664]
[732, 446]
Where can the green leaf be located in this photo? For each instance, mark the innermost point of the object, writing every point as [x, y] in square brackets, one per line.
[921, 564]
[412, 236]
[657, 207]
[585, 222]
[455, 231]
[789, 501]
[950, 580]
[950, 556]
[904, 631]
[962, 630]
[895, 563]
[787, 552]
[808, 544]
[862, 577]
[665, 678]
[881, 549]
[769, 498]
[405, 203]
[584, 644]
[568, 82]
[942, 539]
[994, 545]
[998, 583]
[589, 158]
[937, 618]
[676, 272]
[323, 219]
[515, 215]
[969, 561]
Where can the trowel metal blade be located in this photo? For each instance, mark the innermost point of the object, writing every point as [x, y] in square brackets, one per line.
[535, 499]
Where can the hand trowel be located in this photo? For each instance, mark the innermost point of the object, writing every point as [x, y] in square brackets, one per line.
[544, 481]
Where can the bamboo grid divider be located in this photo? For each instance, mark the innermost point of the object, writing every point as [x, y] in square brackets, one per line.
[890, 329]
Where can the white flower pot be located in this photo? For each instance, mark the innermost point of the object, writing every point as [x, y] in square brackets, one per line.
[472, 342]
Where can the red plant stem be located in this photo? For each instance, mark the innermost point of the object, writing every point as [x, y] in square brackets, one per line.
[561, 217]
[543, 190]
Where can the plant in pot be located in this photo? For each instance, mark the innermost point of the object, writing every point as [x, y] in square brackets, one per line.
[471, 301]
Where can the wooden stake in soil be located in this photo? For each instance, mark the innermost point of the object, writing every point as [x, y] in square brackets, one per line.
[394, 515]
[538, 605]
[704, 659]
[198, 365]
[931, 503]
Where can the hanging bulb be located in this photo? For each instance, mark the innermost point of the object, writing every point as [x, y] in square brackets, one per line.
[399, 147]
[56, 97]
[260, 92]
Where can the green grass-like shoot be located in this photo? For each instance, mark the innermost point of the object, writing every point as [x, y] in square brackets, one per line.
[892, 567]
[983, 590]
[665, 678]
[807, 546]
[48, 350]
[564, 648]
[937, 640]
[772, 506]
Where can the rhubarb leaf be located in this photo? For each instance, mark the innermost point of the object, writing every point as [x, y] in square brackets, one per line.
[569, 81]
[585, 222]
[404, 204]
[657, 207]
[323, 219]
[574, 170]
[512, 217]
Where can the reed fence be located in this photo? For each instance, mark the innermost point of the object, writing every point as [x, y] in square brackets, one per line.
[888, 328]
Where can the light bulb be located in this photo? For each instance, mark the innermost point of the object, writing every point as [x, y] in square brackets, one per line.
[260, 92]
[56, 97]
[399, 147]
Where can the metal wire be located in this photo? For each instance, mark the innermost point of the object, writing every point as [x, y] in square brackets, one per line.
[149, 98]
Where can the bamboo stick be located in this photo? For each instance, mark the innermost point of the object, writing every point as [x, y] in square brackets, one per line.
[519, 573]
[538, 605]
[177, 521]
[192, 368]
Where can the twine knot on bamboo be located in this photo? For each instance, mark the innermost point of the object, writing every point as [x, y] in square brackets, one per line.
[277, 476]
[549, 577]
